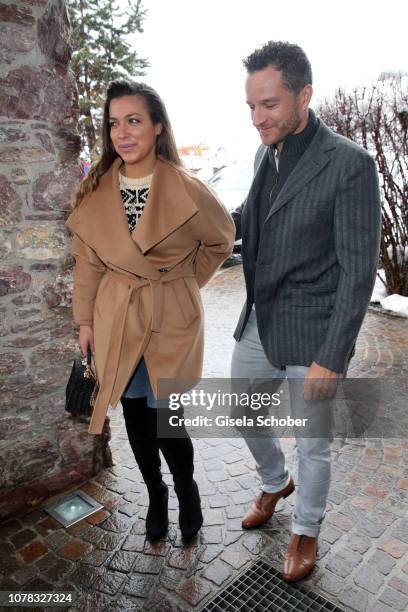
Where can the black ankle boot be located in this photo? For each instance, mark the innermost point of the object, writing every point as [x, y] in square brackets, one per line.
[190, 517]
[141, 430]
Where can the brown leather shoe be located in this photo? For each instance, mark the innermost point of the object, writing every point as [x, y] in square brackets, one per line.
[300, 558]
[264, 506]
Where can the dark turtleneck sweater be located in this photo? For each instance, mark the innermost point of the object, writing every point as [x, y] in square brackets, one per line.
[274, 178]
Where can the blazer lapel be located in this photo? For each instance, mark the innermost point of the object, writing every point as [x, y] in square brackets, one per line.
[250, 210]
[168, 207]
[260, 161]
[309, 165]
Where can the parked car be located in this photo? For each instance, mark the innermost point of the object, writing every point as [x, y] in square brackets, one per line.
[232, 184]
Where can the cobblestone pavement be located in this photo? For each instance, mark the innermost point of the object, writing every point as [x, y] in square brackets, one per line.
[363, 552]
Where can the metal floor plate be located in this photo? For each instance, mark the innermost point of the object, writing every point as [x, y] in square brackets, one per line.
[260, 588]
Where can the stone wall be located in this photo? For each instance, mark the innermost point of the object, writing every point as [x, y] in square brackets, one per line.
[42, 452]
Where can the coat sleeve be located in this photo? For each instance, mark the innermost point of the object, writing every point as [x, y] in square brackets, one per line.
[357, 226]
[88, 272]
[214, 228]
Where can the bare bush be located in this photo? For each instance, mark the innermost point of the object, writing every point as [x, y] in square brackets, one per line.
[376, 117]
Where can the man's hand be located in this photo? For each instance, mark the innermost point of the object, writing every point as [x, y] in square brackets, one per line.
[86, 337]
[320, 383]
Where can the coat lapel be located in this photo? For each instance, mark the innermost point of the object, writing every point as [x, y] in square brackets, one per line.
[101, 221]
[167, 208]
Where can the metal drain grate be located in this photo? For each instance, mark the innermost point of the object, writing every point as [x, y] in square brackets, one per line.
[260, 589]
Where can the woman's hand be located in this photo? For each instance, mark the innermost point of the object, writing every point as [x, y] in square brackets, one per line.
[86, 337]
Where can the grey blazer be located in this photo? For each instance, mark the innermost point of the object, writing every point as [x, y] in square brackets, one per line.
[313, 264]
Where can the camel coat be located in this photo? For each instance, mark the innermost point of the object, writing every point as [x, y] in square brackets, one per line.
[140, 291]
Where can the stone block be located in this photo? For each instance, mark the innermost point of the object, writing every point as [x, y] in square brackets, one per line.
[218, 572]
[17, 390]
[393, 547]
[382, 561]
[33, 551]
[45, 140]
[15, 39]
[28, 460]
[399, 585]
[19, 176]
[21, 94]
[396, 600]
[194, 590]
[211, 535]
[11, 203]
[369, 579]
[52, 410]
[53, 190]
[24, 155]
[330, 583]
[67, 144]
[59, 293]
[54, 33]
[16, 14]
[209, 552]
[148, 564]
[11, 362]
[116, 523]
[123, 561]
[354, 600]
[109, 582]
[22, 538]
[236, 556]
[13, 280]
[181, 558]
[75, 549]
[42, 241]
[14, 133]
[139, 586]
[57, 352]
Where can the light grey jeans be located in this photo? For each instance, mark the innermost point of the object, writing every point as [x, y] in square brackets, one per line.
[249, 361]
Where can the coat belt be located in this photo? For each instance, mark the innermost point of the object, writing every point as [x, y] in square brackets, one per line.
[156, 287]
[133, 283]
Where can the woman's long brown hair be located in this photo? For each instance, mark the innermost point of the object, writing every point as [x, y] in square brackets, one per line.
[165, 143]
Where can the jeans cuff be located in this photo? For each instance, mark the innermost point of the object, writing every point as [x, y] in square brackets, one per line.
[267, 488]
[312, 530]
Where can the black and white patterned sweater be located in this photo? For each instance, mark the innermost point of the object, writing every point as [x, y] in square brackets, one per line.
[134, 194]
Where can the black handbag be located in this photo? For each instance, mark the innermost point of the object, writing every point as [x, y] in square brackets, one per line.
[82, 387]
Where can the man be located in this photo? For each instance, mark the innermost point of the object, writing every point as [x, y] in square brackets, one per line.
[310, 230]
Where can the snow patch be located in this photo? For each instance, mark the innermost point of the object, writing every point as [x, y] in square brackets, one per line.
[396, 303]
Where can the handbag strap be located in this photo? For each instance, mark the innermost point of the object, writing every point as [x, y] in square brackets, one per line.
[88, 355]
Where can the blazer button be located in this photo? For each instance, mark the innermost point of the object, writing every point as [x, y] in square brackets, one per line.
[163, 269]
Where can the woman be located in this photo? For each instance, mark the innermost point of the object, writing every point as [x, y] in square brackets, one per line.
[147, 236]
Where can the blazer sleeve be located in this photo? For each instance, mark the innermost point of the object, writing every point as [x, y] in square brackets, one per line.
[215, 229]
[357, 228]
[88, 272]
[236, 214]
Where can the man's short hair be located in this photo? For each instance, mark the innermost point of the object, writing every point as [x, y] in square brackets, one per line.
[290, 59]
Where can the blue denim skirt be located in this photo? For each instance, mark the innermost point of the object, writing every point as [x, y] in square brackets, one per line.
[139, 386]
